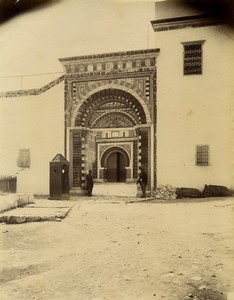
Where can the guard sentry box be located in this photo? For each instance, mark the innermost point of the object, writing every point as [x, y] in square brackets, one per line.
[59, 178]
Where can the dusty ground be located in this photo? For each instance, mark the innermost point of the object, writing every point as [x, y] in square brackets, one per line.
[118, 250]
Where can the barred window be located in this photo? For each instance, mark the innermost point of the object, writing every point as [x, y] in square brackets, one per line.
[193, 58]
[202, 155]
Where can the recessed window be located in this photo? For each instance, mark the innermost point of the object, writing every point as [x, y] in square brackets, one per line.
[129, 65]
[120, 65]
[90, 68]
[138, 63]
[147, 62]
[193, 58]
[81, 68]
[202, 155]
[99, 67]
[109, 66]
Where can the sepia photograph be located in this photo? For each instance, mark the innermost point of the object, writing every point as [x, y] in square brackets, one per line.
[116, 150]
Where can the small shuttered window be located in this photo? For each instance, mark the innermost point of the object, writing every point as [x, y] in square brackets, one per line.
[193, 58]
[202, 155]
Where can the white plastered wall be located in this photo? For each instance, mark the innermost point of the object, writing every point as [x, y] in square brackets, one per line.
[194, 109]
[35, 123]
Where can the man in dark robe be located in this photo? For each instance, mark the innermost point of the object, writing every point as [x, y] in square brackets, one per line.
[143, 179]
[89, 183]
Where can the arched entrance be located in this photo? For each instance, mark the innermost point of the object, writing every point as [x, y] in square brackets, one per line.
[115, 162]
[116, 171]
[110, 105]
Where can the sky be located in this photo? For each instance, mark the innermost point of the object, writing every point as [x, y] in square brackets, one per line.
[31, 44]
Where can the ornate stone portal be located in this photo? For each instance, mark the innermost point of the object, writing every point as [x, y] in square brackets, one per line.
[110, 116]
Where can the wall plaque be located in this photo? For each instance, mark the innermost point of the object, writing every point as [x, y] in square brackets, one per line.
[23, 160]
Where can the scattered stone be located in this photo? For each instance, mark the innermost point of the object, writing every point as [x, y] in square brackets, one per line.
[190, 295]
[179, 256]
[165, 192]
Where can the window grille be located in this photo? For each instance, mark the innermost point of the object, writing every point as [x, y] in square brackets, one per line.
[202, 155]
[193, 58]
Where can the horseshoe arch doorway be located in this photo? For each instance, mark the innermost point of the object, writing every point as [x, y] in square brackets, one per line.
[116, 171]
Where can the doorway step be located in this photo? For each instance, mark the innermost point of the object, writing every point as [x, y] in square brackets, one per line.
[121, 189]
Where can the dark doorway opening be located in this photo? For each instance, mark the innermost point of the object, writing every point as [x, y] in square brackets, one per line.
[116, 171]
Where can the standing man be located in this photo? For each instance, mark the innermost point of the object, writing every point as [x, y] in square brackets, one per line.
[89, 183]
[143, 179]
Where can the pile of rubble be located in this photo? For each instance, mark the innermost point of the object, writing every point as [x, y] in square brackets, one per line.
[166, 192]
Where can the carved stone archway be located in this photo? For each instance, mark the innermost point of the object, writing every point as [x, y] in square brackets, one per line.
[119, 166]
[110, 103]
[111, 150]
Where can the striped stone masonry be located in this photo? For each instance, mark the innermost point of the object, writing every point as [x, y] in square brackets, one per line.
[32, 92]
[110, 63]
[110, 102]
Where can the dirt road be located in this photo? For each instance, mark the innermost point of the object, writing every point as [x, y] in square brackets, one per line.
[120, 250]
